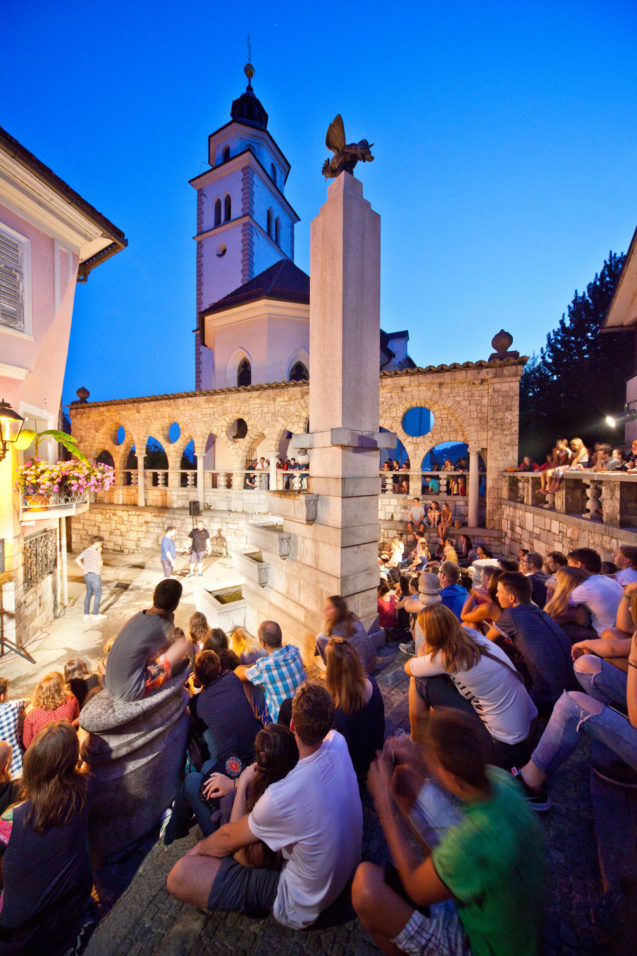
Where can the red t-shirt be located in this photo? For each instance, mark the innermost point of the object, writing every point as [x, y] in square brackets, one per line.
[37, 718]
[387, 610]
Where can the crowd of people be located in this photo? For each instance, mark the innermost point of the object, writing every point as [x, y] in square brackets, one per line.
[574, 456]
[510, 664]
[432, 479]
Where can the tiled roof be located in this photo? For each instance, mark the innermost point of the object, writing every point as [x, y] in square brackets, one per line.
[283, 281]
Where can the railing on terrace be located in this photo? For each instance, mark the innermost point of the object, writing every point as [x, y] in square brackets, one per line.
[53, 504]
[431, 482]
[609, 497]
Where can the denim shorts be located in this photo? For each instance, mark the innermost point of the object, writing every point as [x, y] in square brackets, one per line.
[244, 889]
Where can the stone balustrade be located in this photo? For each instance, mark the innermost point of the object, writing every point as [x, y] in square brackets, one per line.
[606, 497]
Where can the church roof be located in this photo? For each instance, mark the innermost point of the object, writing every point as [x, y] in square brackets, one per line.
[283, 281]
[247, 108]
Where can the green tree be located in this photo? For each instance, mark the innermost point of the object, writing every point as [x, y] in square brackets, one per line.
[579, 376]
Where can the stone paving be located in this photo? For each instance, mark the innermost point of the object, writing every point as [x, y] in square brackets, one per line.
[146, 920]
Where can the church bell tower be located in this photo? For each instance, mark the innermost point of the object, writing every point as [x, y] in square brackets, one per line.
[244, 222]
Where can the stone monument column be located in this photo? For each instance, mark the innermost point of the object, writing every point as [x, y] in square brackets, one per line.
[344, 396]
[473, 489]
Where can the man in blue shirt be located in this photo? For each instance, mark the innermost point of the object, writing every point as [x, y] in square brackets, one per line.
[453, 594]
[168, 551]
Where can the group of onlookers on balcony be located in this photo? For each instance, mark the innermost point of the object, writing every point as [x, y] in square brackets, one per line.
[432, 478]
[511, 662]
[574, 456]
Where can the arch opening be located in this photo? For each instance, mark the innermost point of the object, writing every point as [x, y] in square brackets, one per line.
[299, 372]
[244, 372]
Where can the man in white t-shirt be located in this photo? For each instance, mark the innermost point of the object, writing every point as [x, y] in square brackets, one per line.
[321, 850]
[600, 593]
[416, 517]
[625, 558]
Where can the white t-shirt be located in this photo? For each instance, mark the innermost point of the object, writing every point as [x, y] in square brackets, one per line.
[314, 817]
[601, 595]
[416, 514]
[627, 576]
[498, 697]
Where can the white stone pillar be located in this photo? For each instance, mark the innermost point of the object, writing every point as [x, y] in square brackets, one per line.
[141, 481]
[474, 489]
[64, 574]
[200, 480]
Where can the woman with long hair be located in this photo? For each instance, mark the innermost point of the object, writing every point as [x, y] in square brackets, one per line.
[482, 606]
[51, 701]
[446, 517]
[46, 869]
[574, 619]
[463, 548]
[246, 646]
[276, 754]
[341, 622]
[359, 709]
[458, 667]
[79, 680]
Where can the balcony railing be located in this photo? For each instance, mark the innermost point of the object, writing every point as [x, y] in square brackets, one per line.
[608, 497]
[56, 504]
[424, 482]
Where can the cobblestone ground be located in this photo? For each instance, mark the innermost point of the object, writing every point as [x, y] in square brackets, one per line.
[146, 920]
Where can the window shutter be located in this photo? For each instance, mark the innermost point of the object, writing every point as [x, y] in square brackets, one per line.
[11, 282]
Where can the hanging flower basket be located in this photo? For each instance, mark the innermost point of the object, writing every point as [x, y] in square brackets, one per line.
[47, 485]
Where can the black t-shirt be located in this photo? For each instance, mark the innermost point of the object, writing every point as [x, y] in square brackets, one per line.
[224, 709]
[199, 537]
[47, 885]
[545, 648]
[364, 731]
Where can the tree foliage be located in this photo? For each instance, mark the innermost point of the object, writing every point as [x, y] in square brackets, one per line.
[579, 376]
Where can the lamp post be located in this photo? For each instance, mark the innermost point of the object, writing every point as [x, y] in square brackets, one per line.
[10, 427]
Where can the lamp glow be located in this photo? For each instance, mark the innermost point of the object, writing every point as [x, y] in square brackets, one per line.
[10, 427]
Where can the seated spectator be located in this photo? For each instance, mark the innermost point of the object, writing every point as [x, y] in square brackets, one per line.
[481, 606]
[142, 657]
[483, 553]
[217, 640]
[433, 485]
[617, 461]
[9, 788]
[452, 595]
[396, 553]
[527, 464]
[386, 606]
[276, 755]
[425, 590]
[359, 709]
[625, 559]
[404, 478]
[420, 556]
[531, 565]
[322, 849]
[542, 645]
[508, 564]
[574, 619]
[278, 674]
[593, 714]
[464, 548]
[341, 622]
[458, 667]
[224, 719]
[246, 646]
[481, 887]
[403, 590]
[599, 593]
[554, 560]
[433, 513]
[631, 461]
[446, 517]
[416, 517]
[11, 723]
[46, 869]
[199, 629]
[522, 553]
[449, 553]
[79, 680]
[51, 702]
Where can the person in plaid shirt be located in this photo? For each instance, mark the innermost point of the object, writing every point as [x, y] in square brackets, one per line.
[278, 674]
[10, 711]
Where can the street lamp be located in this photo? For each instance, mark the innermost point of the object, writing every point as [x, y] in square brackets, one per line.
[10, 427]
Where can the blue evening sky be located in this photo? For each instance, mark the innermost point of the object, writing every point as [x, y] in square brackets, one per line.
[505, 144]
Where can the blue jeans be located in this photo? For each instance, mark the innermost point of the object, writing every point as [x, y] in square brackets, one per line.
[608, 685]
[569, 720]
[93, 584]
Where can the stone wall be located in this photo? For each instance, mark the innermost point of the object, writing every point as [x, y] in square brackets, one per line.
[524, 526]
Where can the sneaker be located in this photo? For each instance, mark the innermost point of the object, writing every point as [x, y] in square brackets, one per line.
[409, 648]
[200, 574]
[166, 817]
[99, 617]
[87, 617]
[539, 799]
[616, 772]
[190, 574]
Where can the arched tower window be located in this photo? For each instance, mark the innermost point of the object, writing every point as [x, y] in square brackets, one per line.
[273, 172]
[244, 372]
[277, 231]
[268, 223]
[217, 212]
[299, 373]
[227, 208]
[225, 155]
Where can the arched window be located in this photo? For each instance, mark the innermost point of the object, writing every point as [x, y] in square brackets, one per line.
[244, 372]
[217, 212]
[225, 155]
[268, 223]
[273, 172]
[299, 373]
[227, 208]
[277, 231]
